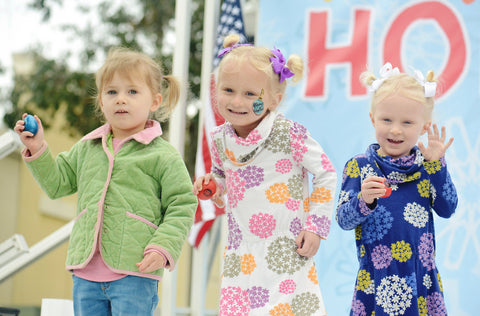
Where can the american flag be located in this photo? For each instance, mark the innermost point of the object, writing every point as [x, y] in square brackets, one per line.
[231, 21]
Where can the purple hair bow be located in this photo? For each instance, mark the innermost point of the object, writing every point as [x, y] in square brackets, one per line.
[230, 48]
[278, 65]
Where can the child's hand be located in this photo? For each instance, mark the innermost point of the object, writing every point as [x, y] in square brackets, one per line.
[373, 188]
[307, 243]
[33, 142]
[436, 144]
[151, 262]
[198, 185]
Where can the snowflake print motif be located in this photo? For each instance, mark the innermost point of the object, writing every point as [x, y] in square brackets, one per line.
[348, 217]
[377, 225]
[424, 188]
[436, 305]
[234, 233]
[295, 226]
[305, 304]
[344, 196]
[415, 214]
[282, 257]
[427, 281]
[394, 295]
[326, 163]
[449, 191]
[412, 282]
[287, 286]
[396, 176]
[283, 166]
[431, 167]
[367, 171]
[381, 257]
[426, 251]
[236, 188]
[232, 265]
[352, 170]
[292, 204]
[401, 251]
[262, 225]
[258, 296]
[363, 280]
[234, 302]
[252, 175]
[321, 195]
[358, 309]
[295, 187]
[422, 306]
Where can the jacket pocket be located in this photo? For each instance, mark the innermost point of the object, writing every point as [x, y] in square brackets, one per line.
[139, 218]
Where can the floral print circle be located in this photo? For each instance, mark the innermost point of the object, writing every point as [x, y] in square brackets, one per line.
[282, 256]
[394, 295]
[258, 296]
[305, 304]
[234, 302]
[262, 225]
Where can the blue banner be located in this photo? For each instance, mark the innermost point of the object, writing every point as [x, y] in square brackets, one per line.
[338, 40]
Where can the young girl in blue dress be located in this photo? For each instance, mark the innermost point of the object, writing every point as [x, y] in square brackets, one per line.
[395, 234]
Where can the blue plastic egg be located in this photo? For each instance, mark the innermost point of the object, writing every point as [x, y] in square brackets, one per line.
[31, 124]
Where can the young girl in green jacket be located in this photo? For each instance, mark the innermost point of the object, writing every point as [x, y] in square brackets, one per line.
[135, 201]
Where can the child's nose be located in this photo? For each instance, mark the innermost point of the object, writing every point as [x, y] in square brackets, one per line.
[121, 98]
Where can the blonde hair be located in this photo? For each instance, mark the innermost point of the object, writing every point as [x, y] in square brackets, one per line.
[133, 64]
[259, 57]
[403, 85]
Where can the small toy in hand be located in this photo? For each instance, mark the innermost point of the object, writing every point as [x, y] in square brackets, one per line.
[30, 124]
[389, 190]
[208, 190]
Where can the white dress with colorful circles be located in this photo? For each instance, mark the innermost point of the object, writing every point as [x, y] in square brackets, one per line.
[268, 204]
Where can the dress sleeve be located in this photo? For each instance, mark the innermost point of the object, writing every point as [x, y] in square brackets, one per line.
[309, 154]
[443, 195]
[352, 209]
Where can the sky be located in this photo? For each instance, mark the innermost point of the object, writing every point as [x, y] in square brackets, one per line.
[22, 28]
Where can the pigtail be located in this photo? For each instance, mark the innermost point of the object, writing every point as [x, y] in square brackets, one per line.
[295, 65]
[367, 78]
[231, 40]
[170, 97]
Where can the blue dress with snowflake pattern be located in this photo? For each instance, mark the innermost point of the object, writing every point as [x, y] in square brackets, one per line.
[395, 236]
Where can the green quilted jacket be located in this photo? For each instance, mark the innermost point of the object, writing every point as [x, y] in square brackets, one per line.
[138, 199]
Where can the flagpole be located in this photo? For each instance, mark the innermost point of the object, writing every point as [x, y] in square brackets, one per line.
[199, 260]
[177, 126]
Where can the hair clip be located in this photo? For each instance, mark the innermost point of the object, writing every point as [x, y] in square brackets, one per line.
[429, 86]
[278, 65]
[386, 72]
[258, 104]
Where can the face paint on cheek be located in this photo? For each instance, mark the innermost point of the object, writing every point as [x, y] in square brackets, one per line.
[258, 104]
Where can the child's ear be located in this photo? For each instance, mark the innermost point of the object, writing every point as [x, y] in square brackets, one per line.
[371, 118]
[157, 101]
[426, 127]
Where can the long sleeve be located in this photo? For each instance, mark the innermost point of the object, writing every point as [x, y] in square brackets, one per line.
[443, 195]
[324, 181]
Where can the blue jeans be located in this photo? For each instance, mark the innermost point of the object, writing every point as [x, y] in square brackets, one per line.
[130, 296]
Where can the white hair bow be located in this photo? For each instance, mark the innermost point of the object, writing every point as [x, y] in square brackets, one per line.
[429, 86]
[386, 72]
